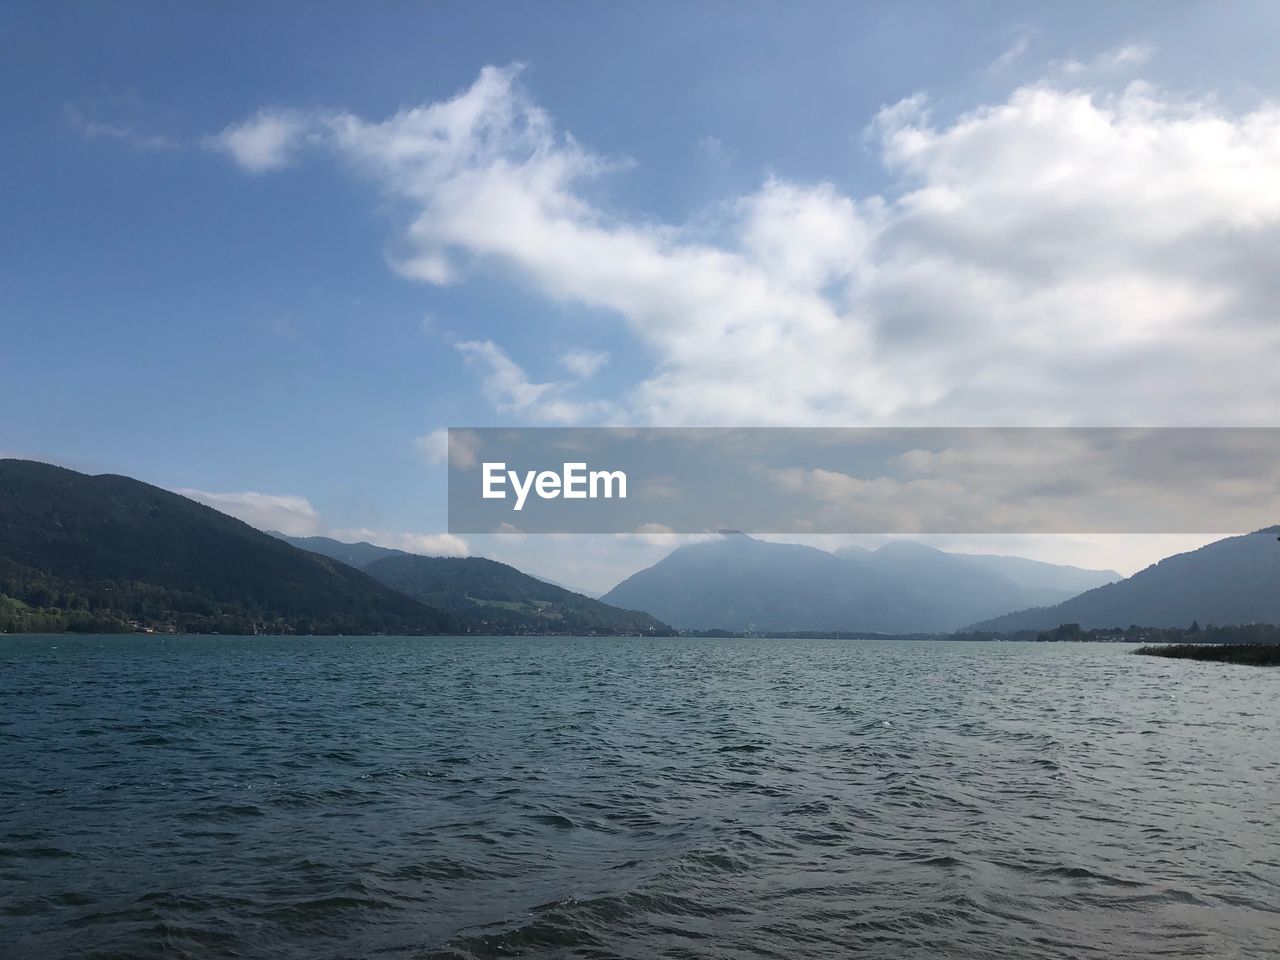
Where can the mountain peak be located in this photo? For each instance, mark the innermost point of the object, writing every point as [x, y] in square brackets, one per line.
[740, 583]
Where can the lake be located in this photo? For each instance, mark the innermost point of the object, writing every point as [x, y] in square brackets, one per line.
[469, 797]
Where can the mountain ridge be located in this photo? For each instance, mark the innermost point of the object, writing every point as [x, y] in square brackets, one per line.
[487, 594]
[1235, 580]
[107, 552]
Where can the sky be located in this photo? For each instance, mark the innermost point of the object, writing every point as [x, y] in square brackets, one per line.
[265, 254]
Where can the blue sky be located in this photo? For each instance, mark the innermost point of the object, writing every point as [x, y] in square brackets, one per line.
[220, 273]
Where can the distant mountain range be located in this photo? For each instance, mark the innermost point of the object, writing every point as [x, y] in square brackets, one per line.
[737, 582]
[1231, 581]
[486, 595]
[106, 553]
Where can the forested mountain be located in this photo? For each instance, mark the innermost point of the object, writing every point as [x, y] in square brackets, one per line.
[484, 595]
[493, 597]
[358, 555]
[105, 553]
[1231, 581]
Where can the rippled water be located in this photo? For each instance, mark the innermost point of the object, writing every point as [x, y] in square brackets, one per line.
[388, 797]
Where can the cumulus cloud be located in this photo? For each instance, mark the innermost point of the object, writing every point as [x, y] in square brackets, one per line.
[1069, 255]
[266, 141]
[290, 515]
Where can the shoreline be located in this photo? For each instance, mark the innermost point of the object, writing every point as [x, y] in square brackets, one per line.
[1248, 654]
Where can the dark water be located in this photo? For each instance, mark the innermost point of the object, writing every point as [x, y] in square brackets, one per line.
[622, 798]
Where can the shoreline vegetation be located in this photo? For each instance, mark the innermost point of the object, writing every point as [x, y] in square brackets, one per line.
[1250, 643]
[1250, 654]
[1252, 633]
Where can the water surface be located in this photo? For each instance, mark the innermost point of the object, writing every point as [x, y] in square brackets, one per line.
[424, 798]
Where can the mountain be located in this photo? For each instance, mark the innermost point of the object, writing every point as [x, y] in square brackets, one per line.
[740, 583]
[494, 597]
[1231, 581]
[1006, 583]
[484, 595]
[102, 553]
[1055, 582]
[358, 555]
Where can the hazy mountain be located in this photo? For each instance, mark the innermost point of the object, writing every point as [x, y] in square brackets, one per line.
[1037, 576]
[740, 583]
[1019, 582]
[489, 596]
[96, 552]
[1232, 581]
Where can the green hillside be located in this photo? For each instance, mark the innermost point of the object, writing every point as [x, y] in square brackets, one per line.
[1231, 581]
[491, 597]
[108, 553]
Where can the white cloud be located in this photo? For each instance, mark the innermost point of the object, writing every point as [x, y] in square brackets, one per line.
[1021, 43]
[434, 446]
[1120, 59]
[660, 535]
[265, 142]
[510, 390]
[1066, 256]
[583, 364]
[441, 445]
[1133, 55]
[290, 515]
[294, 516]
[426, 544]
